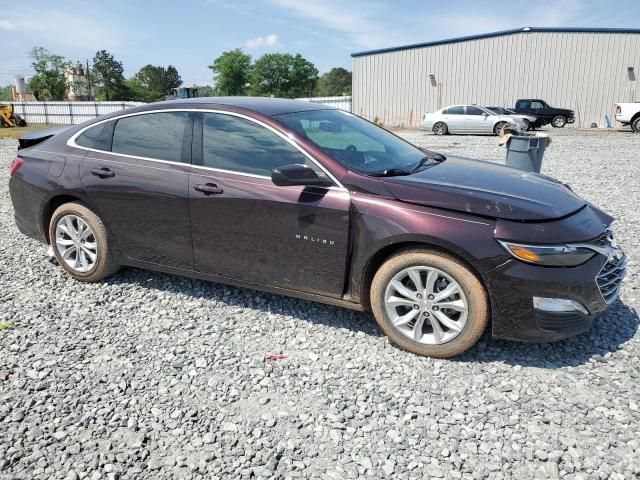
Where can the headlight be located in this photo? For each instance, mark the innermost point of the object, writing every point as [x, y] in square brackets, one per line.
[549, 255]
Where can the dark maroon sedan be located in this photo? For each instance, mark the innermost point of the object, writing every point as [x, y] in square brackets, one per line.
[304, 200]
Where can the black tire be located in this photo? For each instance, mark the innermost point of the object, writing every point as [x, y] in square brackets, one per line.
[499, 127]
[527, 124]
[105, 264]
[635, 124]
[559, 121]
[440, 128]
[476, 295]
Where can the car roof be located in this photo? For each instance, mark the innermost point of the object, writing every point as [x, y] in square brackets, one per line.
[263, 105]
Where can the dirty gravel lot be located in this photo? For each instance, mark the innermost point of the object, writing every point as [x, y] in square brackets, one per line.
[149, 375]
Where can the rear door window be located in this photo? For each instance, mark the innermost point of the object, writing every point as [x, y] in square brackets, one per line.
[151, 135]
[523, 105]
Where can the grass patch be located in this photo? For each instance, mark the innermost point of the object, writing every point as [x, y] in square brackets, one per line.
[6, 325]
[17, 132]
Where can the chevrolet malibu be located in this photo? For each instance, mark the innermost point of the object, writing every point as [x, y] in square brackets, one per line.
[300, 199]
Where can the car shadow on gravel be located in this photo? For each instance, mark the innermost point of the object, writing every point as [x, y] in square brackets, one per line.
[313, 312]
[608, 335]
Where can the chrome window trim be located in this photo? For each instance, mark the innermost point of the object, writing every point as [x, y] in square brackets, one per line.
[72, 142]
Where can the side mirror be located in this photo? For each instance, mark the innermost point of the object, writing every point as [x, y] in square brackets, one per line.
[297, 174]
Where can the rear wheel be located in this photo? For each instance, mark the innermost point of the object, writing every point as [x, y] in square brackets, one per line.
[559, 121]
[635, 125]
[429, 303]
[80, 243]
[440, 128]
[498, 129]
[527, 124]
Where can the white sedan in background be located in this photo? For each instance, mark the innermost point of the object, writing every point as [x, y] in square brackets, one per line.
[528, 120]
[470, 119]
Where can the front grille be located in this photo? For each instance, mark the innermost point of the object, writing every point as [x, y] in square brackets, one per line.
[610, 277]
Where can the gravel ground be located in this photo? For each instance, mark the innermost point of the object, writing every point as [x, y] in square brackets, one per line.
[149, 375]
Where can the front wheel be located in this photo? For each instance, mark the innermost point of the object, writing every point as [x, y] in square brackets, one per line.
[498, 129]
[635, 125]
[559, 121]
[429, 303]
[440, 128]
[80, 243]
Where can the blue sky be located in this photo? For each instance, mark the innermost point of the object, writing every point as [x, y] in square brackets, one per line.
[191, 33]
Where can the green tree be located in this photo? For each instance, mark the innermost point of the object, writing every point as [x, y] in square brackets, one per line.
[172, 78]
[231, 72]
[336, 81]
[206, 91]
[6, 93]
[50, 81]
[140, 93]
[153, 82]
[283, 75]
[107, 77]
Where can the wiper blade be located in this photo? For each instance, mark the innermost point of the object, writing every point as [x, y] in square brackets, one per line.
[430, 157]
[392, 172]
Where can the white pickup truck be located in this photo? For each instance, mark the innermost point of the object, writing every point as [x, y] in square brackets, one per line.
[629, 114]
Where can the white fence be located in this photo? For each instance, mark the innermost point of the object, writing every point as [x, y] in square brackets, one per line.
[67, 112]
[344, 103]
[77, 112]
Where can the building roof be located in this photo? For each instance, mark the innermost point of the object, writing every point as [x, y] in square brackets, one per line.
[497, 34]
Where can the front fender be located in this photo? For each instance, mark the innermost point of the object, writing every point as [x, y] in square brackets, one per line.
[381, 226]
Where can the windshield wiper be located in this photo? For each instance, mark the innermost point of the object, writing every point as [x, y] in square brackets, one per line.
[429, 158]
[392, 172]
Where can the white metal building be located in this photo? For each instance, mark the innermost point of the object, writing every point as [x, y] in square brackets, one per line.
[586, 70]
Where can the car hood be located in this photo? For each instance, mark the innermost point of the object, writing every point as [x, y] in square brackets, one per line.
[488, 189]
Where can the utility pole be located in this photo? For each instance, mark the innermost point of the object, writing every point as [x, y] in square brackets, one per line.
[88, 81]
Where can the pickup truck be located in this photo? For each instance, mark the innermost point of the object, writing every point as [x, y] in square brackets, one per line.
[558, 117]
[629, 114]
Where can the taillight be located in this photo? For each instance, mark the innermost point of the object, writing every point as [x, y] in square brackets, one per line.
[618, 110]
[15, 165]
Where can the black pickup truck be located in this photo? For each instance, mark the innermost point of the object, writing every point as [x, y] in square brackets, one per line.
[558, 117]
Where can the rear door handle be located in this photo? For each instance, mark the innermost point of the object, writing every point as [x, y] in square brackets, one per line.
[102, 172]
[208, 189]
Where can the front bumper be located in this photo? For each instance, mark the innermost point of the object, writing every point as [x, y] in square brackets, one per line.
[513, 285]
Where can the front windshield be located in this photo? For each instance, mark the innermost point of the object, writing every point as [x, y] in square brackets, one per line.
[355, 143]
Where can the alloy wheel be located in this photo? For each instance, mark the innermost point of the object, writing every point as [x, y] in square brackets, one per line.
[426, 305]
[440, 129]
[76, 243]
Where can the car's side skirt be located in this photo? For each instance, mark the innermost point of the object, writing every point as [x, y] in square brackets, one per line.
[337, 302]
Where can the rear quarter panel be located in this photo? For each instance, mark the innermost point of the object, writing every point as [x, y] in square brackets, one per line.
[51, 169]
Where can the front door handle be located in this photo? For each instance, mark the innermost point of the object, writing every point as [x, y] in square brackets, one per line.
[102, 172]
[208, 189]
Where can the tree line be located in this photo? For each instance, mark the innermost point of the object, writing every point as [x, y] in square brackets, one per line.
[234, 72]
[277, 75]
[105, 78]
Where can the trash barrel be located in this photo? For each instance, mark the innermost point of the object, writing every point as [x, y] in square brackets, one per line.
[525, 152]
